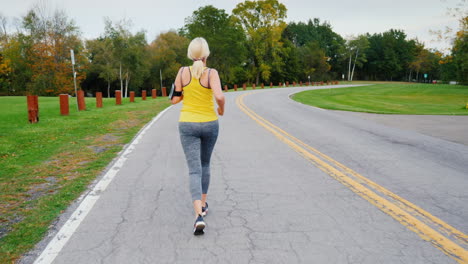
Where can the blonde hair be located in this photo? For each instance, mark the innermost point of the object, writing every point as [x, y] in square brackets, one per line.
[198, 51]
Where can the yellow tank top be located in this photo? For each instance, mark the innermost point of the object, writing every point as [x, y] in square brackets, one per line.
[198, 104]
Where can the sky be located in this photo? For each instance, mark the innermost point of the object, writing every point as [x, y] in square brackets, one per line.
[347, 18]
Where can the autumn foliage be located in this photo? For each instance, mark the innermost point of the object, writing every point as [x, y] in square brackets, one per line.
[41, 55]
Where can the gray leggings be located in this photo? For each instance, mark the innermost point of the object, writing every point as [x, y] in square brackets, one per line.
[198, 141]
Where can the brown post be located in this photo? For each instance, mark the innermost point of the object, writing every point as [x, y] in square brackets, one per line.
[143, 95]
[118, 97]
[321, 83]
[263, 86]
[98, 99]
[287, 84]
[81, 101]
[164, 92]
[279, 84]
[153, 93]
[294, 83]
[64, 107]
[235, 87]
[271, 85]
[300, 83]
[33, 108]
[132, 97]
[225, 88]
[253, 86]
[244, 86]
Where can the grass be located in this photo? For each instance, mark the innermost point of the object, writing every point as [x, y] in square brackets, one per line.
[392, 98]
[45, 166]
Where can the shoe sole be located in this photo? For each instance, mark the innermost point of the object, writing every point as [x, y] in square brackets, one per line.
[198, 230]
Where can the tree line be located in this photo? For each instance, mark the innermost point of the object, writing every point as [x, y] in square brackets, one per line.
[251, 45]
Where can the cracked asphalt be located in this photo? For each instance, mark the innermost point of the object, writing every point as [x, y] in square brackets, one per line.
[267, 203]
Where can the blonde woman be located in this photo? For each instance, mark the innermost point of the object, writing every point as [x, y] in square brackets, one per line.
[198, 123]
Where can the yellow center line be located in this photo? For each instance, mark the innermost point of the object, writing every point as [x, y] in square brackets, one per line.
[408, 206]
[357, 186]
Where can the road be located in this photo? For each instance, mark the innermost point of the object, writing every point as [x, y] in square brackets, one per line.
[290, 184]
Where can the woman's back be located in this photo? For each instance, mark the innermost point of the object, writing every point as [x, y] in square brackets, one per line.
[198, 104]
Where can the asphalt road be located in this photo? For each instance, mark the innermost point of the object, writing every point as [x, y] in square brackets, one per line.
[380, 195]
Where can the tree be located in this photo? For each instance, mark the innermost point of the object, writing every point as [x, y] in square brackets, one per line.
[167, 53]
[460, 52]
[389, 55]
[356, 49]
[103, 63]
[129, 50]
[45, 45]
[314, 61]
[292, 67]
[225, 38]
[322, 33]
[263, 22]
[5, 71]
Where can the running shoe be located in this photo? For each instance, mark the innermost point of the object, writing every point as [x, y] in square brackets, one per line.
[204, 210]
[199, 226]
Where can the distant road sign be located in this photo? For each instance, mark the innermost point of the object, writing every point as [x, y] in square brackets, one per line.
[425, 75]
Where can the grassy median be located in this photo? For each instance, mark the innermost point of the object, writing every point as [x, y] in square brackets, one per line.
[45, 166]
[414, 99]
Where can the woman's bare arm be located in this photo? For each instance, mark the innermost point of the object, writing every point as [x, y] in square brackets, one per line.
[215, 85]
[178, 88]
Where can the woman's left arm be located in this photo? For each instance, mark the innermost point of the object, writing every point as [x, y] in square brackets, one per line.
[178, 88]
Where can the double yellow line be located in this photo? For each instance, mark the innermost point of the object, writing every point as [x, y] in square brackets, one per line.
[430, 228]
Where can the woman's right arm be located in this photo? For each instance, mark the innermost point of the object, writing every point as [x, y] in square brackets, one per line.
[178, 88]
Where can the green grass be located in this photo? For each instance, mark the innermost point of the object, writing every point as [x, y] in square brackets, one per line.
[415, 99]
[45, 166]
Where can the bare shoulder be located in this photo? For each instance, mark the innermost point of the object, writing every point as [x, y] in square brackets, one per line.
[214, 72]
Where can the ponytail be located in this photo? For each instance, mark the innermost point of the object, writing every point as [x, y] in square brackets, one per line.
[198, 51]
[197, 69]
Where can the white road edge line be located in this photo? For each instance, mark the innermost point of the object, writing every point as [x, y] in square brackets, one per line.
[61, 238]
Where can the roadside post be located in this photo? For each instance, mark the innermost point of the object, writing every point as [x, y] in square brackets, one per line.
[33, 108]
[98, 99]
[64, 107]
[81, 100]
[118, 97]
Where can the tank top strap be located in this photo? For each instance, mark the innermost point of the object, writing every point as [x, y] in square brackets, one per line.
[209, 71]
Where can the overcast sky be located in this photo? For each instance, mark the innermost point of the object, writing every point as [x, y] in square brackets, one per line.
[415, 17]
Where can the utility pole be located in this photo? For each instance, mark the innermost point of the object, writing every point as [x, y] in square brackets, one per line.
[74, 77]
[160, 78]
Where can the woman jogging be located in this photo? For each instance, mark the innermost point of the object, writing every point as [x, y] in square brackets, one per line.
[198, 122]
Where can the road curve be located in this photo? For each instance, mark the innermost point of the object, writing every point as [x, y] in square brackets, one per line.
[290, 184]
